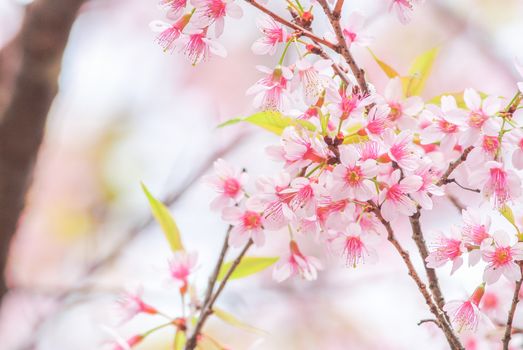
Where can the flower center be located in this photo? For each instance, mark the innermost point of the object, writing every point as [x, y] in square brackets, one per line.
[502, 256]
[354, 176]
[477, 118]
[251, 220]
[231, 187]
[447, 127]
[490, 144]
[395, 111]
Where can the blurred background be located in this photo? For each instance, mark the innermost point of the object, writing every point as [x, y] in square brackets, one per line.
[128, 112]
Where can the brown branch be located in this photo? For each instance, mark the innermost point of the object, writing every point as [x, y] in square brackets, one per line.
[417, 236]
[510, 319]
[42, 41]
[294, 26]
[207, 310]
[317, 50]
[343, 48]
[336, 13]
[440, 316]
[452, 166]
[427, 321]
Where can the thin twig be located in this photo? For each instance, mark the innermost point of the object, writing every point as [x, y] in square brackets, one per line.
[449, 181]
[427, 320]
[208, 309]
[344, 49]
[294, 26]
[510, 319]
[454, 165]
[440, 316]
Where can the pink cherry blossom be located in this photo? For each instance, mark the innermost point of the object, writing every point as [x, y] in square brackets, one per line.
[428, 187]
[485, 149]
[353, 30]
[346, 103]
[131, 304]
[197, 47]
[378, 120]
[501, 257]
[181, 265]
[402, 111]
[247, 224]
[497, 182]
[352, 177]
[446, 249]
[300, 149]
[474, 231]
[300, 196]
[175, 7]
[273, 34]
[228, 181]
[169, 33]
[394, 198]
[295, 263]
[214, 11]
[276, 213]
[312, 79]
[465, 314]
[447, 124]
[271, 91]
[400, 149]
[403, 9]
[355, 246]
[479, 119]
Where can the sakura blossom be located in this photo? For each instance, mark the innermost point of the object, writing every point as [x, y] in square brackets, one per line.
[447, 249]
[403, 9]
[395, 200]
[495, 181]
[353, 30]
[465, 315]
[271, 91]
[247, 224]
[181, 266]
[502, 257]
[131, 304]
[355, 246]
[402, 110]
[273, 34]
[296, 264]
[228, 182]
[208, 12]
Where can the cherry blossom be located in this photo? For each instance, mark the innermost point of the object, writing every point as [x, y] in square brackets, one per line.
[273, 34]
[131, 304]
[400, 149]
[197, 47]
[353, 30]
[312, 79]
[497, 182]
[394, 198]
[228, 182]
[181, 265]
[501, 257]
[175, 7]
[352, 178]
[296, 264]
[447, 249]
[402, 111]
[214, 11]
[247, 224]
[271, 90]
[403, 9]
[479, 118]
[355, 245]
[465, 314]
[519, 67]
[515, 139]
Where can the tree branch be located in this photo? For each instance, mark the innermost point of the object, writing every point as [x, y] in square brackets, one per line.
[440, 316]
[207, 309]
[344, 49]
[42, 40]
[510, 319]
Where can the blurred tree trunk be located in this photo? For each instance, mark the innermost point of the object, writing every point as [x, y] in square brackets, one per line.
[29, 66]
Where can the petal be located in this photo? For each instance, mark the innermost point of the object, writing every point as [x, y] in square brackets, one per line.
[472, 99]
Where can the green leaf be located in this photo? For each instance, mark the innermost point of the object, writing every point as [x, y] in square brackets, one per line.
[272, 121]
[419, 72]
[233, 321]
[249, 265]
[507, 212]
[166, 221]
[387, 69]
[354, 139]
[179, 340]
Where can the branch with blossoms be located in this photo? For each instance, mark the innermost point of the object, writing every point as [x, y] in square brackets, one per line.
[355, 162]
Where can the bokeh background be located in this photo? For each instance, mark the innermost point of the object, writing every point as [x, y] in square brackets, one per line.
[128, 112]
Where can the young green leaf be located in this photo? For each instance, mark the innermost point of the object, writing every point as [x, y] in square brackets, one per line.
[166, 221]
[419, 72]
[233, 321]
[249, 265]
[179, 340]
[507, 212]
[387, 69]
[272, 121]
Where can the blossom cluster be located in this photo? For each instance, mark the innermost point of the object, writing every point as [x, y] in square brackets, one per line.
[355, 160]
